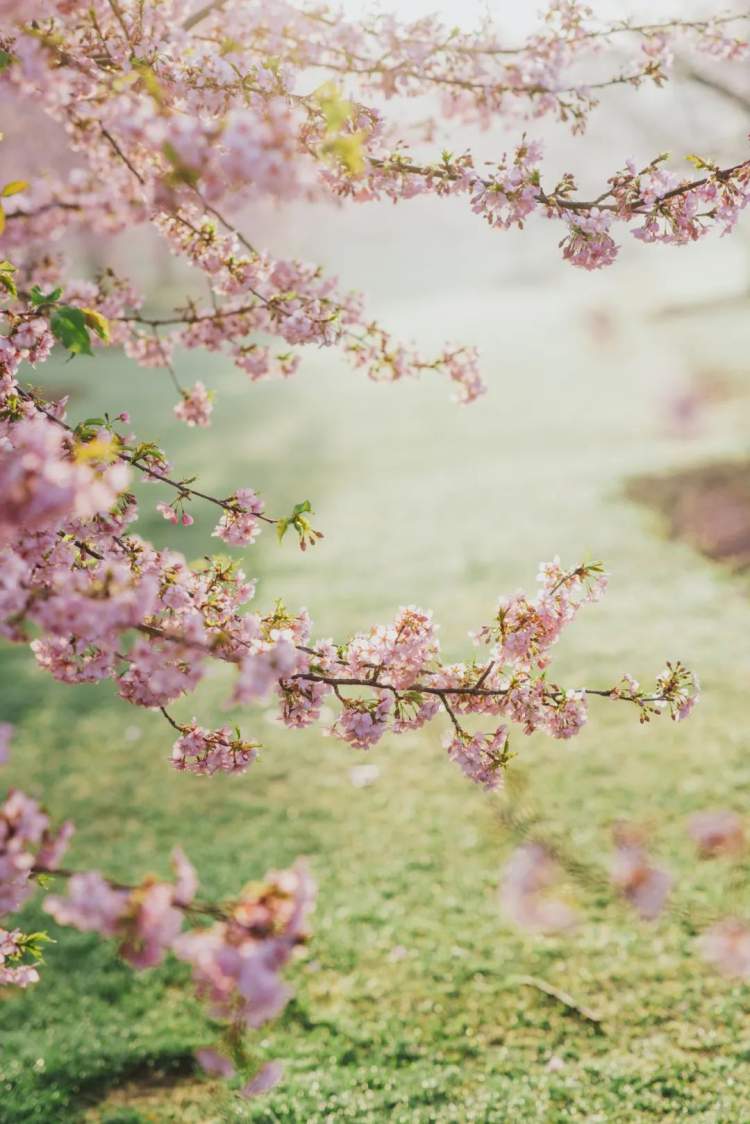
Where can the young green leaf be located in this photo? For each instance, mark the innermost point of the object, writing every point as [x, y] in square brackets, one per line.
[13, 188]
[69, 327]
[99, 323]
[38, 298]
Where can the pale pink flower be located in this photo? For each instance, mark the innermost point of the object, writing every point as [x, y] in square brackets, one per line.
[481, 757]
[529, 873]
[186, 883]
[717, 832]
[90, 904]
[196, 406]
[214, 1063]
[269, 1075]
[642, 883]
[239, 525]
[726, 945]
[6, 733]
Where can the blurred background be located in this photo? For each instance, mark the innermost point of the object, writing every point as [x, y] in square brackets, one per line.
[615, 427]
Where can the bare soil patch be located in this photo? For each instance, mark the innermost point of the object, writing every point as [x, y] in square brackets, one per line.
[707, 506]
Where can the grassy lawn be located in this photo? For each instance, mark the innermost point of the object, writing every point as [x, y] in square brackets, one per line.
[409, 1006]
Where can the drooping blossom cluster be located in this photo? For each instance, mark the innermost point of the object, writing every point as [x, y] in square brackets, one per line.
[236, 960]
[27, 843]
[195, 407]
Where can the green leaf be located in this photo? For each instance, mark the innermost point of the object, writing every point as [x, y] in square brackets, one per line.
[38, 298]
[5, 60]
[6, 278]
[281, 528]
[69, 327]
[300, 508]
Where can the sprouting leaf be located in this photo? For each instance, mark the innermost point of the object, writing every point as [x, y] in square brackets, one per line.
[38, 298]
[99, 323]
[5, 60]
[32, 943]
[281, 528]
[181, 172]
[7, 269]
[347, 148]
[336, 110]
[69, 327]
[150, 81]
[301, 508]
[13, 188]
[97, 449]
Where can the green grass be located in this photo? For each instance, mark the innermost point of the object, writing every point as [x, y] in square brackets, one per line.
[420, 502]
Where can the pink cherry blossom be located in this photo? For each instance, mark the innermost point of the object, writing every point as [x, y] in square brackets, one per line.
[717, 832]
[196, 406]
[239, 524]
[726, 945]
[529, 873]
[643, 884]
[90, 904]
[481, 758]
[14, 973]
[214, 1063]
[265, 1079]
[6, 733]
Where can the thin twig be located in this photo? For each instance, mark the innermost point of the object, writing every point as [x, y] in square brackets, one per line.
[563, 997]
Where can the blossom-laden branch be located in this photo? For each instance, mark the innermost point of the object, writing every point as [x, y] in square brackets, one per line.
[30, 337]
[236, 949]
[178, 119]
[656, 204]
[96, 602]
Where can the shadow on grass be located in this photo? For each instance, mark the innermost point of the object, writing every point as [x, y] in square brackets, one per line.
[163, 1072]
[707, 506]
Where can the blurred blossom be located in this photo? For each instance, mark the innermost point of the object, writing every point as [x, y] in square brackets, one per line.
[643, 884]
[529, 873]
[726, 946]
[717, 831]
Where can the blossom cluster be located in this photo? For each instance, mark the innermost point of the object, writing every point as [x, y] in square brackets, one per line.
[28, 846]
[236, 960]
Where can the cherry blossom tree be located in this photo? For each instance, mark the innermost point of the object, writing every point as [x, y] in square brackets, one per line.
[174, 118]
